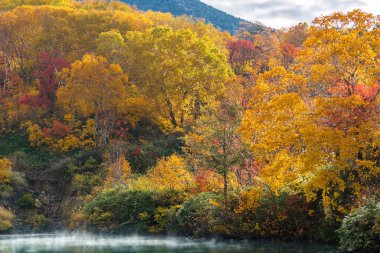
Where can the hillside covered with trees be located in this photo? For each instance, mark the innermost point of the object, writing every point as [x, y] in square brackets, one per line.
[199, 10]
[119, 121]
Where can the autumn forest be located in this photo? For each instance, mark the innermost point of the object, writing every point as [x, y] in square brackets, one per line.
[115, 120]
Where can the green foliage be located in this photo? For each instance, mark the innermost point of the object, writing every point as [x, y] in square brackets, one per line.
[284, 217]
[23, 156]
[360, 229]
[132, 211]
[115, 208]
[26, 201]
[40, 223]
[149, 143]
[86, 172]
[6, 191]
[202, 216]
[84, 183]
[311, 138]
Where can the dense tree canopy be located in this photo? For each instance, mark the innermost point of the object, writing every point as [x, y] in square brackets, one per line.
[154, 123]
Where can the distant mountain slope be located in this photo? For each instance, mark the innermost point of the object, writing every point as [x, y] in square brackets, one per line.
[196, 9]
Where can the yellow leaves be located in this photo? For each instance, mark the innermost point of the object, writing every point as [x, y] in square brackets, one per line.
[89, 85]
[10, 4]
[342, 48]
[70, 142]
[249, 200]
[273, 125]
[119, 172]
[94, 88]
[280, 172]
[169, 174]
[320, 133]
[6, 218]
[79, 136]
[278, 80]
[5, 171]
[178, 71]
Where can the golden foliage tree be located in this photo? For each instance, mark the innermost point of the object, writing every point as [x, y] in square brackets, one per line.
[5, 170]
[170, 173]
[321, 134]
[94, 88]
[119, 172]
[177, 71]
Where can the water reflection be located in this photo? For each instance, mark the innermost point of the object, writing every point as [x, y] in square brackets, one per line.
[77, 243]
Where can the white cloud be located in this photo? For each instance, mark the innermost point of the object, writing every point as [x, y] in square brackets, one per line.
[285, 13]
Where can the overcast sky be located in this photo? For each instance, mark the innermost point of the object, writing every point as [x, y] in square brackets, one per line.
[285, 13]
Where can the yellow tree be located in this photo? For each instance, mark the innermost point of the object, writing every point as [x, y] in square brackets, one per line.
[342, 49]
[5, 170]
[119, 172]
[214, 143]
[341, 59]
[170, 173]
[177, 71]
[94, 88]
[272, 123]
[321, 134]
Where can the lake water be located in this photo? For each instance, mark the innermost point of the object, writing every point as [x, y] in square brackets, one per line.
[70, 243]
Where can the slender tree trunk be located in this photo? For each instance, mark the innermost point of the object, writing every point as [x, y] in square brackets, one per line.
[169, 106]
[96, 131]
[197, 108]
[171, 113]
[225, 189]
[250, 163]
[6, 73]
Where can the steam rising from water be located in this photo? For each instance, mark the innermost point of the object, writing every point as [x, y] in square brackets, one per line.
[93, 243]
[85, 243]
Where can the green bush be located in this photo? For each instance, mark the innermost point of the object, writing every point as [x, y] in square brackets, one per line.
[120, 209]
[26, 201]
[132, 211]
[84, 183]
[203, 216]
[25, 157]
[6, 191]
[360, 229]
[40, 223]
[282, 217]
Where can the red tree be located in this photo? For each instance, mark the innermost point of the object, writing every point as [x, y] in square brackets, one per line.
[242, 52]
[47, 68]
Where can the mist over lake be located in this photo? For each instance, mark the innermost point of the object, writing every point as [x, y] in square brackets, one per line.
[82, 243]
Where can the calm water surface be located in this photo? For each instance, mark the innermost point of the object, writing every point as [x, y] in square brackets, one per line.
[69, 243]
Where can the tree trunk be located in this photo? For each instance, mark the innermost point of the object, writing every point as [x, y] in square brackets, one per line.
[171, 113]
[250, 163]
[96, 131]
[225, 189]
[169, 106]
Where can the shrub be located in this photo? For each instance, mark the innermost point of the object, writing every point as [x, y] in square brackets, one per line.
[133, 210]
[18, 180]
[40, 223]
[121, 209]
[84, 183]
[360, 229]
[26, 201]
[202, 216]
[283, 217]
[5, 170]
[6, 191]
[6, 218]
[19, 161]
